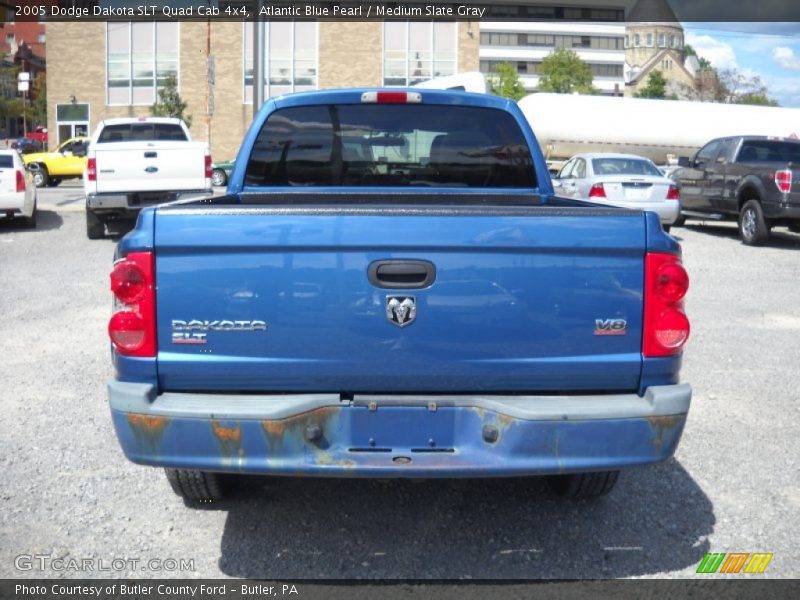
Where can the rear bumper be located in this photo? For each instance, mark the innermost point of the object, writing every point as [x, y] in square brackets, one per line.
[14, 201]
[785, 211]
[397, 436]
[133, 202]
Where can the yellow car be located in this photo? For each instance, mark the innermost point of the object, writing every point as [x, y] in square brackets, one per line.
[66, 162]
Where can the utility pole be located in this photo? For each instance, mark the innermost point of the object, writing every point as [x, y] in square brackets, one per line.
[23, 84]
[258, 60]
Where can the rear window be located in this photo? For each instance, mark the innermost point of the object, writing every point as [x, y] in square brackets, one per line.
[624, 166]
[393, 145]
[6, 161]
[145, 132]
[769, 151]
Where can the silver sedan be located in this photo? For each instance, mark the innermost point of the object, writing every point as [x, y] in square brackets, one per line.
[621, 180]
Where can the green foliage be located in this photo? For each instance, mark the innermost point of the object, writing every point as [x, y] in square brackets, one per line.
[563, 72]
[689, 51]
[169, 103]
[656, 86]
[506, 82]
[10, 107]
[37, 113]
[759, 99]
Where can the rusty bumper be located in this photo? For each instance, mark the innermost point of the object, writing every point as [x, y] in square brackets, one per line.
[397, 436]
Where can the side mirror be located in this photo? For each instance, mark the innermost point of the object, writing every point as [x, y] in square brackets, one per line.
[79, 152]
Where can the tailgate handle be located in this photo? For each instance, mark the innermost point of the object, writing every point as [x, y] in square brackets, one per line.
[401, 274]
[151, 154]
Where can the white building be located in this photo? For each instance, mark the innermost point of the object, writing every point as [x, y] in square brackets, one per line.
[601, 45]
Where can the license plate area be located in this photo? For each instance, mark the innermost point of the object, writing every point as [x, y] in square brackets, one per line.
[415, 429]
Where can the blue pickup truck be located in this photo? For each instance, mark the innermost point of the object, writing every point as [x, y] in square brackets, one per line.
[390, 288]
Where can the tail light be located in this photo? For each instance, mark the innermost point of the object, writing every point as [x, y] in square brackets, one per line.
[20, 181]
[597, 191]
[666, 327]
[783, 179]
[132, 328]
[91, 169]
[208, 166]
[391, 97]
[673, 193]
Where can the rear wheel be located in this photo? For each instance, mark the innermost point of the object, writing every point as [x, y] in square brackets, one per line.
[54, 181]
[679, 222]
[666, 228]
[583, 486]
[218, 177]
[95, 228]
[40, 176]
[196, 486]
[753, 229]
[30, 222]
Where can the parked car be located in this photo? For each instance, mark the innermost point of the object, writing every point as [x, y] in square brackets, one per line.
[66, 162]
[220, 172]
[27, 145]
[414, 302]
[17, 191]
[141, 161]
[753, 179]
[622, 180]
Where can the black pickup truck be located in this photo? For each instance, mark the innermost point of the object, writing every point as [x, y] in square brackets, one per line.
[753, 179]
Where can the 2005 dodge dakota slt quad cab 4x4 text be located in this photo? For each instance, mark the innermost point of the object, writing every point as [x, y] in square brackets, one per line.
[392, 289]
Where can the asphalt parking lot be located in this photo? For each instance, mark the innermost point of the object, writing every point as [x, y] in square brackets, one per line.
[68, 492]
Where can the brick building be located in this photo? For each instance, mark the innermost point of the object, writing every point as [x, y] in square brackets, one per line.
[120, 64]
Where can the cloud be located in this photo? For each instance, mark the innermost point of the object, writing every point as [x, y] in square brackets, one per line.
[720, 54]
[786, 58]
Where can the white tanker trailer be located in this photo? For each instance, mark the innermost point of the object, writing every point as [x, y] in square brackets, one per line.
[662, 130]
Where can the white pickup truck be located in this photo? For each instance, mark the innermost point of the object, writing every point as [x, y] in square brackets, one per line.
[138, 162]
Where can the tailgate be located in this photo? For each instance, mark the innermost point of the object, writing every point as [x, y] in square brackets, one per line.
[156, 166]
[280, 299]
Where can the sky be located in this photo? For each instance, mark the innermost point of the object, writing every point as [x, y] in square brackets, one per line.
[768, 50]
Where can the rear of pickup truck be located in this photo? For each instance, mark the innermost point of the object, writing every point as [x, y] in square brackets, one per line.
[138, 162]
[391, 289]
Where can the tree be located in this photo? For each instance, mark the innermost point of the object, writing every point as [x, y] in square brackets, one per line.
[656, 86]
[37, 113]
[10, 106]
[169, 103]
[689, 51]
[563, 72]
[506, 82]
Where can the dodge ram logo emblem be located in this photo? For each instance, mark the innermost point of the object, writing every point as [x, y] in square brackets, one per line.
[401, 310]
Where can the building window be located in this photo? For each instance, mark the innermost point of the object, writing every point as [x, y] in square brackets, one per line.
[637, 40]
[662, 40]
[417, 51]
[9, 38]
[291, 62]
[649, 39]
[42, 38]
[550, 40]
[139, 58]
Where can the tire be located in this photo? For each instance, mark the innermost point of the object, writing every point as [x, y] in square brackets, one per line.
[30, 222]
[196, 486]
[55, 181]
[583, 486]
[794, 227]
[753, 229]
[40, 176]
[666, 228]
[218, 178]
[680, 221]
[95, 227]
